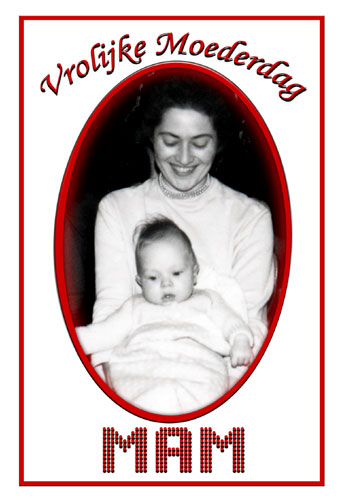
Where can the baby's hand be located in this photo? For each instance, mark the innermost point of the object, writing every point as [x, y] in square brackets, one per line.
[241, 352]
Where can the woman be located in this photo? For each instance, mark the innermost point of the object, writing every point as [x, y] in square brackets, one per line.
[232, 234]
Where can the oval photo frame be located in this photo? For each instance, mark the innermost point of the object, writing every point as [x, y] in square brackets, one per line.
[90, 175]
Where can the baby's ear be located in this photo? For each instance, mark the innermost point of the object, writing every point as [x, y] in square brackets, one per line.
[138, 280]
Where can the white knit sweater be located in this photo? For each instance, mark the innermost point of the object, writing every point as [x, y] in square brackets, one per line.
[231, 234]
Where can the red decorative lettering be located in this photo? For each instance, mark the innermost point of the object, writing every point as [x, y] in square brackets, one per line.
[231, 49]
[234, 437]
[240, 57]
[111, 438]
[281, 83]
[87, 67]
[270, 69]
[170, 41]
[211, 48]
[103, 58]
[68, 73]
[183, 451]
[292, 95]
[47, 79]
[200, 48]
[139, 50]
[102, 55]
[112, 53]
[94, 65]
[254, 60]
[124, 50]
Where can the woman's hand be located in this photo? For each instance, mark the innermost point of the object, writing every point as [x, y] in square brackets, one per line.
[240, 352]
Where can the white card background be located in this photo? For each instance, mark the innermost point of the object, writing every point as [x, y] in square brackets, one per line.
[73, 405]
[279, 404]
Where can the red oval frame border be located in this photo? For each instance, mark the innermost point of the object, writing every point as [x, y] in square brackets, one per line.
[59, 235]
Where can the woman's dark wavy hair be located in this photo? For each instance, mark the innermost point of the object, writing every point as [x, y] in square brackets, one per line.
[188, 92]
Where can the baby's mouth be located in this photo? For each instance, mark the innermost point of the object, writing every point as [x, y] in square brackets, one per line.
[168, 297]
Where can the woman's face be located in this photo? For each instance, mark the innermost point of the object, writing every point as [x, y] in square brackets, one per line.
[185, 144]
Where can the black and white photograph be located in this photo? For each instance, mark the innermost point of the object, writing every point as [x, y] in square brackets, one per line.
[176, 238]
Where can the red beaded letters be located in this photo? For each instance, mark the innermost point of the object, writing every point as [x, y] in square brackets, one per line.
[209, 437]
[112, 438]
[163, 451]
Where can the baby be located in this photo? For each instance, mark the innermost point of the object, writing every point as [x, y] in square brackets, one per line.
[171, 330]
[167, 272]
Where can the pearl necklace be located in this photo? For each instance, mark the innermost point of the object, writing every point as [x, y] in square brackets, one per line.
[193, 193]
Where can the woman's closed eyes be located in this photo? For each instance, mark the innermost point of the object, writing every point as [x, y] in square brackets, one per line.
[171, 140]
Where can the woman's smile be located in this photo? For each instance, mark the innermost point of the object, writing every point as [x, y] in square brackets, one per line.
[182, 170]
[185, 145]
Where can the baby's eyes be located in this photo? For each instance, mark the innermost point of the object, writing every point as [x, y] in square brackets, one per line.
[154, 278]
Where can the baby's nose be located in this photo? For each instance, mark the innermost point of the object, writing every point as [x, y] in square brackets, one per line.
[166, 282]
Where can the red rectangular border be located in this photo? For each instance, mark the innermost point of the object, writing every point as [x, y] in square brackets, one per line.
[321, 481]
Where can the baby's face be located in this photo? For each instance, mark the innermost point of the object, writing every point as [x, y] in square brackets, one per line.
[167, 272]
